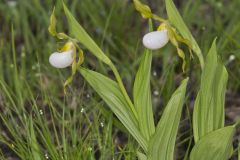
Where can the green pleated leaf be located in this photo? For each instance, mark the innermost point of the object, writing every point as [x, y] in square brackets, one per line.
[162, 143]
[141, 156]
[176, 19]
[110, 92]
[208, 114]
[216, 145]
[142, 96]
[142, 93]
[82, 36]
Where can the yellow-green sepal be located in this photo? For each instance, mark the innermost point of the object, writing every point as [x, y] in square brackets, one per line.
[143, 9]
[146, 11]
[52, 27]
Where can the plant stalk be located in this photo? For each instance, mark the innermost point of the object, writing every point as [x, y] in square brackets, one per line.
[122, 88]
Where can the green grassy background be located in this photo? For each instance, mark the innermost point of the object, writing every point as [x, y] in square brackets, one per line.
[39, 121]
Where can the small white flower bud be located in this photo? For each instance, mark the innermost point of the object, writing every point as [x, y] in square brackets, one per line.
[156, 40]
[12, 3]
[61, 60]
[231, 58]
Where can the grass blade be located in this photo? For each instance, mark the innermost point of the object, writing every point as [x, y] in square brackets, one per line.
[216, 145]
[239, 151]
[142, 96]
[110, 92]
[176, 19]
[208, 112]
[163, 141]
[34, 144]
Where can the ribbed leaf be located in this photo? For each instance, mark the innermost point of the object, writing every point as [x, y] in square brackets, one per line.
[142, 96]
[110, 92]
[208, 112]
[216, 145]
[141, 156]
[176, 19]
[83, 37]
[163, 141]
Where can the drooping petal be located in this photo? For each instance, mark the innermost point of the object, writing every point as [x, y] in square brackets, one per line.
[62, 60]
[75, 66]
[156, 40]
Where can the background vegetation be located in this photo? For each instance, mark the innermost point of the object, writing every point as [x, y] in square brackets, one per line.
[33, 107]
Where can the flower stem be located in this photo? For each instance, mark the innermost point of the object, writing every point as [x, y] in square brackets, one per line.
[122, 88]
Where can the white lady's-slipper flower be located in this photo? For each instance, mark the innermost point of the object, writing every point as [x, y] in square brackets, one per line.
[64, 58]
[61, 59]
[156, 39]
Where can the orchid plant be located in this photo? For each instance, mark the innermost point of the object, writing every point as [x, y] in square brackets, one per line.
[156, 142]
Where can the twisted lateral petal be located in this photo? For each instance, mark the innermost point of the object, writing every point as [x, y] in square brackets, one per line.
[156, 40]
[62, 59]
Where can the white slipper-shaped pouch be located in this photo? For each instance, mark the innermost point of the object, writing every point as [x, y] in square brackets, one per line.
[61, 59]
[156, 39]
